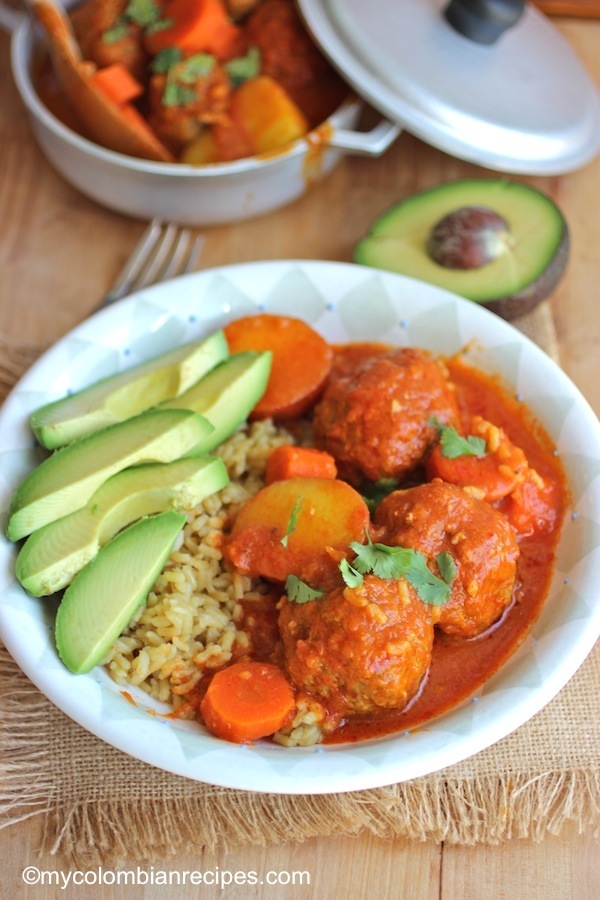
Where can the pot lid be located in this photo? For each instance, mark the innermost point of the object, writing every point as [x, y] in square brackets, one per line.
[508, 92]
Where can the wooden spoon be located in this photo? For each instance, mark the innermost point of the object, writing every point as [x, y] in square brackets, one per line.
[105, 122]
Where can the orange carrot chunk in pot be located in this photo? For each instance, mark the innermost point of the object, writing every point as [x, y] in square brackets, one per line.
[195, 26]
[117, 83]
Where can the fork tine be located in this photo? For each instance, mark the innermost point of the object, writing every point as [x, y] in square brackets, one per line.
[130, 271]
[193, 255]
[164, 250]
[159, 259]
[178, 254]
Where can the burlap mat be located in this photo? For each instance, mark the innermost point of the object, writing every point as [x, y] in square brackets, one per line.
[101, 806]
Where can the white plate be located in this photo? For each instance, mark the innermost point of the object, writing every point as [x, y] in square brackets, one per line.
[345, 303]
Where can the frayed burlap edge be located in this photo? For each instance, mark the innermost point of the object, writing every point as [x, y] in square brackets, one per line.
[442, 807]
[23, 746]
[460, 810]
[451, 810]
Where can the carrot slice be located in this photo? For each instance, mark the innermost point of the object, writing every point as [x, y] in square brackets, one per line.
[301, 362]
[247, 701]
[117, 83]
[197, 26]
[495, 474]
[289, 461]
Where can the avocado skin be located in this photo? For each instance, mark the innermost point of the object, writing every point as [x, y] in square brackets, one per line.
[397, 241]
[228, 394]
[67, 479]
[524, 301]
[127, 393]
[102, 599]
[51, 556]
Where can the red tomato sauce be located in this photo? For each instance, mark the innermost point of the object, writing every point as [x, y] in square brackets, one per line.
[459, 666]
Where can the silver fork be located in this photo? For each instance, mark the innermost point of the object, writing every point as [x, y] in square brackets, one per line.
[163, 251]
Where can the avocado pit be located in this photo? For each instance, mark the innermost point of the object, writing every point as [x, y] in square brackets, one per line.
[469, 238]
[457, 236]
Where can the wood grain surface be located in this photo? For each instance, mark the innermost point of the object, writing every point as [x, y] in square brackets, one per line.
[58, 255]
[584, 9]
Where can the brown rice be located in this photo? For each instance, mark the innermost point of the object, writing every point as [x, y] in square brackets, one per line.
[189, 624]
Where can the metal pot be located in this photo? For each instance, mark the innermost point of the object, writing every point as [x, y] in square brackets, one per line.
[193, 195]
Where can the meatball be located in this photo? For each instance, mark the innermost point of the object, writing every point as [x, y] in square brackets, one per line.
[377, 423]
[436, 518]
[290, 57]
[287, 53]
[359, 649]
[179, 124]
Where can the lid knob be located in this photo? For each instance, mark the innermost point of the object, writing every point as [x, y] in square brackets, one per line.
[483, 21]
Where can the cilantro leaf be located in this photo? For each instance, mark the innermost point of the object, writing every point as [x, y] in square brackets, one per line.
[116, 33]
[180, 77]
[352, 577]
[197, 66]
[299, 592]
[376, 491]
[142, 12]
[177, 94]
[166, 59]
[293, 520]
[447, 566]
[453, 444]
[428, 586]
[161, 25]
[366, 555]
[393, 563]
[243, 68]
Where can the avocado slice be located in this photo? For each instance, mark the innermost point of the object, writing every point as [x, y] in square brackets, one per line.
[128, 393]
[101, 601]
[66, 480]
[498, 242]
[51, 556]
[227, 395]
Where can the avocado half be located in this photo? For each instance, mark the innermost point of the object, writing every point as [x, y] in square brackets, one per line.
[494, 241]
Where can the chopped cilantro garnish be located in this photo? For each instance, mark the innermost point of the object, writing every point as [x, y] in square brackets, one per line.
[392, 563]
[376, 491]
[159, 26]
[293, 520]
[243, 68]
[165, 59]
[447, 566]
[352, 577]
[179, 76]
[116, 33]
[299, 592]
[453, 444]
[142, 12]
[176, 94]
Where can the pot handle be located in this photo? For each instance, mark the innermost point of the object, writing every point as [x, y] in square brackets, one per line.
[366, 143]
[10, 18]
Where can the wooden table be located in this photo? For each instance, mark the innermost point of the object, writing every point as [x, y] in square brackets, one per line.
[59, 253]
